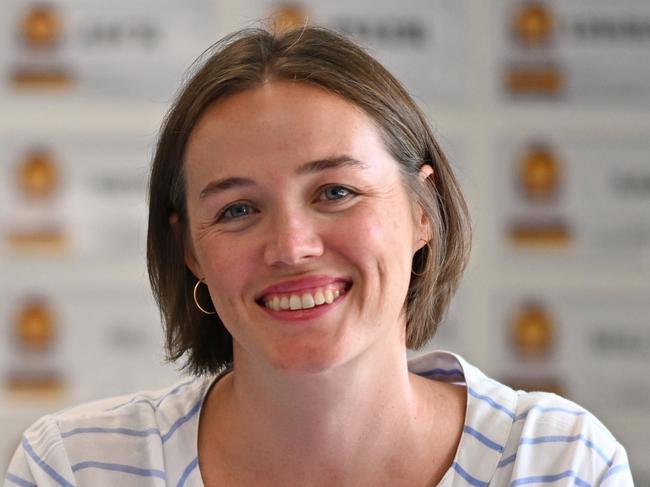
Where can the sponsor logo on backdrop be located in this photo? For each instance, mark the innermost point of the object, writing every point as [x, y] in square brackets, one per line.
[532, 24]
[40, 31]
[35, 326]
[38, 174]
[38, 184]
[288, 16]
[538, 174]
[532, 331]
[577, 52]
[35, 333]
[40, 27]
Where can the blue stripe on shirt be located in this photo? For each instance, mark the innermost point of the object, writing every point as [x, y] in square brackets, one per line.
[614, 469]
[491, 402]
[188, 470]
[119, 431]
[468, 478]
[553, 439]
[153, 402]
[139, 433]
[15, 479]
[550, 410]
[139, 400]
[483, 439]
[443, 372]
[507, 461]
[547, 479]
[182, 420]
[174, 391]
[566, 439]
[46, 468]
[117, 467]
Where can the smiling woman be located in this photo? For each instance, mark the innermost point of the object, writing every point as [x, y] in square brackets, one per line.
[305, 230]
[322, 211]
[329, 65]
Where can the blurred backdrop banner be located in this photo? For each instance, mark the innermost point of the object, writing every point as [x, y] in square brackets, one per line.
[542, 106]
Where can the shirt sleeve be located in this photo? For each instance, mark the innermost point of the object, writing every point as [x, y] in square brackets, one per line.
[618, 474]
[40, 459]
[19, 472]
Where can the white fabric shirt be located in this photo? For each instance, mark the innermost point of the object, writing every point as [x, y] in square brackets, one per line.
[510, 438]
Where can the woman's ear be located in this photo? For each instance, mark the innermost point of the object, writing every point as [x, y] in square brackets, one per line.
[423, 233]
[425, 172]
[186, 244]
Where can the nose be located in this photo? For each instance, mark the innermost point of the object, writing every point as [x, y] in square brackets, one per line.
[292, 239]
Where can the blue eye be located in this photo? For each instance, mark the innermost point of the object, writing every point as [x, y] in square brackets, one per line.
[235, 211]
[336, 192]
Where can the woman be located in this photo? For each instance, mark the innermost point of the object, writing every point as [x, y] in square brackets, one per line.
[305, 230]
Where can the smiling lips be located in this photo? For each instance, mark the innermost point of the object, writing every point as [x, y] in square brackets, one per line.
[304, 298]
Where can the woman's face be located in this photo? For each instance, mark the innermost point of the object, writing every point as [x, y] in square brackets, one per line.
[301, 227]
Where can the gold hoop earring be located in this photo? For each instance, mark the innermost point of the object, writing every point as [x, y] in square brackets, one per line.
[420, 274]
[196, 300]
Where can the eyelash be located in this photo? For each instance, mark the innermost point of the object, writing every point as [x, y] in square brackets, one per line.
[223, 214]
[349, 192]
[250, 209]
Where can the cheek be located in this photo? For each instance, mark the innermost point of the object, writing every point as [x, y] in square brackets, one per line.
[381, 239]
[226, 268]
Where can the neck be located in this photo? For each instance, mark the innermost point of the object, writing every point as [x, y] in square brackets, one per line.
[348, 421]
[338, 406]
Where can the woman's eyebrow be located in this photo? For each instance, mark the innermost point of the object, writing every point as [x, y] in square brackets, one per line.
[329, 163]
[219, 185]
[223, 184]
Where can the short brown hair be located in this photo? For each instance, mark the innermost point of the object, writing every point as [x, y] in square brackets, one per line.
[328, 60]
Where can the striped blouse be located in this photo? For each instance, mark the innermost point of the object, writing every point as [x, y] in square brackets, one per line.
[510, 438]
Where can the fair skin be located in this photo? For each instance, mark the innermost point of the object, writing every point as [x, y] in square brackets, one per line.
[291, 192]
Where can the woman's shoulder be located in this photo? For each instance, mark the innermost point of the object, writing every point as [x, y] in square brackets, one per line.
[139, 410]
[552, 437]
[514, 437]
[545, 411]
[122, 435]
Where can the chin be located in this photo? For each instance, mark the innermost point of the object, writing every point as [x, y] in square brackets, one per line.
[307, 359]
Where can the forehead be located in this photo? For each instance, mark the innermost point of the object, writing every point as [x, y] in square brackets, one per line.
[281, 120]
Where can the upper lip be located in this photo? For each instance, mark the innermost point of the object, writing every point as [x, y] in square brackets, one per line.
[300, 284]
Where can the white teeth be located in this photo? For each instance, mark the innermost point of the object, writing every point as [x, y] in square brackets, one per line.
[305, 301]
[308, 301]
[295, 302]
